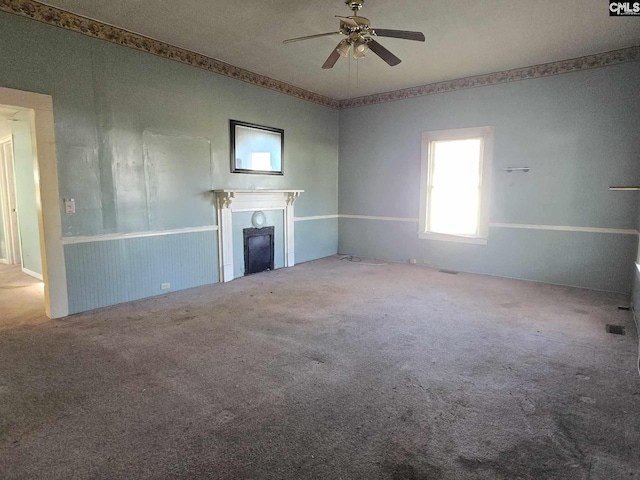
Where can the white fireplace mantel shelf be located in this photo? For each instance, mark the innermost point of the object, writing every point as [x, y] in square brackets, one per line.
[229, 201]
[255, 199]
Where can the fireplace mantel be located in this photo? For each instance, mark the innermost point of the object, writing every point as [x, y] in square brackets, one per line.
[230, 200]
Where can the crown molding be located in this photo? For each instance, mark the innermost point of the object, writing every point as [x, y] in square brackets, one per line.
[92, 28]
[598, 60]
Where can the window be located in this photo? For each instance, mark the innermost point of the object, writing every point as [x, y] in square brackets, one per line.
[455, 184]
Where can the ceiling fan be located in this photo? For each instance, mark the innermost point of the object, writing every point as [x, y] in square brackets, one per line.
[359, 37]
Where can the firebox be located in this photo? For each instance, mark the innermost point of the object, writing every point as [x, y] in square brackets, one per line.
[258, 249]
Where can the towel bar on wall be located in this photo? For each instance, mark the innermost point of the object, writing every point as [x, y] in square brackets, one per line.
[624, 189]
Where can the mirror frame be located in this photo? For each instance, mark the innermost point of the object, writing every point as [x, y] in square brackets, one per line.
[233, 124]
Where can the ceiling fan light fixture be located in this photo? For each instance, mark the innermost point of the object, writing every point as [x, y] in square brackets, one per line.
[360, 47]
[358, 55]
[343, 48]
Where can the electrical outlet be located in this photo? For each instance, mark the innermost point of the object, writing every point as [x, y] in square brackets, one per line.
[165, 286]
[413, 261]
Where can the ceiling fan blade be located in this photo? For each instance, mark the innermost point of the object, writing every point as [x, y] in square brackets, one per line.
[348, 21]
[290, 40]
[404, 34]
[383, 53]
[333, 58]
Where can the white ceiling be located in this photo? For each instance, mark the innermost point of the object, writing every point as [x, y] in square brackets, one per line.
[463, 37]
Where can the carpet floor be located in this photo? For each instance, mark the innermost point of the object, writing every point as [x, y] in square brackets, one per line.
[328, 370]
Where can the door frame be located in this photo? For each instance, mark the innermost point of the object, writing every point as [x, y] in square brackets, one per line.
[54, 273]
[8, 203]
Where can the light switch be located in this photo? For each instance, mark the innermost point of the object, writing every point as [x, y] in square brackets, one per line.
[69, 205]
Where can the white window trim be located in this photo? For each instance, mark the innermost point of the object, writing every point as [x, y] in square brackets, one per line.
[486, 133]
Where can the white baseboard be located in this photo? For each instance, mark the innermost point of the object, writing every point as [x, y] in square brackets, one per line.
[32, 273]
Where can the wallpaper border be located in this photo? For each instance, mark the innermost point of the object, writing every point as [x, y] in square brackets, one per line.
[76, 23]
[587, 62]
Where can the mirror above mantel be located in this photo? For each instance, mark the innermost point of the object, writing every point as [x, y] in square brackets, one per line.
[256, 149]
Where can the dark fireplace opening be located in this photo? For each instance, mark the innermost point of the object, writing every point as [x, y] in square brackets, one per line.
[258, 250]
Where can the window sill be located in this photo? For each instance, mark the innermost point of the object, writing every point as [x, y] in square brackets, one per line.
[443, 237]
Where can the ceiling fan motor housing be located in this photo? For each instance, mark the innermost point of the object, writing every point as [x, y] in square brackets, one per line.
[354, 5]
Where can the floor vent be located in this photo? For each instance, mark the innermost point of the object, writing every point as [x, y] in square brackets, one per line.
[624, 308]
[616, 329]
[450, 272]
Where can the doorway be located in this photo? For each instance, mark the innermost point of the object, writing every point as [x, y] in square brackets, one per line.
[31, 250]
[20, 232]
[21, 289]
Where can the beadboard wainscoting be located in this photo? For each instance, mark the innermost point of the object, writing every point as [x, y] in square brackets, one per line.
[124, 268]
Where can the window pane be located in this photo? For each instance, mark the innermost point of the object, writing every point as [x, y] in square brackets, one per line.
[455, 182]
[456, 163]
[454, 210]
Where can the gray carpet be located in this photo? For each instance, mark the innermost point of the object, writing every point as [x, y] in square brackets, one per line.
[328, 370]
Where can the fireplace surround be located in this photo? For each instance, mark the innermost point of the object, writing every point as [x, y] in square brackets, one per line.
[229, 201]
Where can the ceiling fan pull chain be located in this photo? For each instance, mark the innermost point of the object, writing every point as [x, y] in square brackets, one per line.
[349, 83]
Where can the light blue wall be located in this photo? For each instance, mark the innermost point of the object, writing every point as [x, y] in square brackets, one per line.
[591, 260]
[142, 140]
[24, 167]
[242, 220]
[316, 236]
[579, 134]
